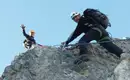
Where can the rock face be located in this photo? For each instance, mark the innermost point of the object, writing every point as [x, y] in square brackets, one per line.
[122, 71]
[51, 63]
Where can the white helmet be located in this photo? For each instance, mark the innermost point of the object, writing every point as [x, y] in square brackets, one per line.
[73, 14]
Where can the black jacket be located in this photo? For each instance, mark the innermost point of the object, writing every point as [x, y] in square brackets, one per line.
[30, 39]
[84, 24]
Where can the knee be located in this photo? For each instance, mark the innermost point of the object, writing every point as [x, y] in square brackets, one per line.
[120, 51]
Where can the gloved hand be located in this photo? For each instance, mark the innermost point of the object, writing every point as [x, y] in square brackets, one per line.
[22, 26]
[64, 45]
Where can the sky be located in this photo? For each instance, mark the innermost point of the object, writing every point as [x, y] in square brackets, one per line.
[51, 21]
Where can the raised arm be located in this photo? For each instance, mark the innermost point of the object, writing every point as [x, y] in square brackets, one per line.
[24, 33]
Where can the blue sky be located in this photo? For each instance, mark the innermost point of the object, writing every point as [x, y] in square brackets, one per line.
[51, 21]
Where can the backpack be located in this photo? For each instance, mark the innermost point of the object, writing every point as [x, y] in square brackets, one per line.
[97, 16]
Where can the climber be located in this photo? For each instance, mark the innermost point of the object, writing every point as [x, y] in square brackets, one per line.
[29, 41]
[93, 24]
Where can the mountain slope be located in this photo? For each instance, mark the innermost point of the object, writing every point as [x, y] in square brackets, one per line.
[51, 63]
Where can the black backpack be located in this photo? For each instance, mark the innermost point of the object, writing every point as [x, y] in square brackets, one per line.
[97, 16]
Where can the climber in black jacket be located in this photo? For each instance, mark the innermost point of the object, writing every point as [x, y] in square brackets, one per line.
[93, 24]
[29, 41]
